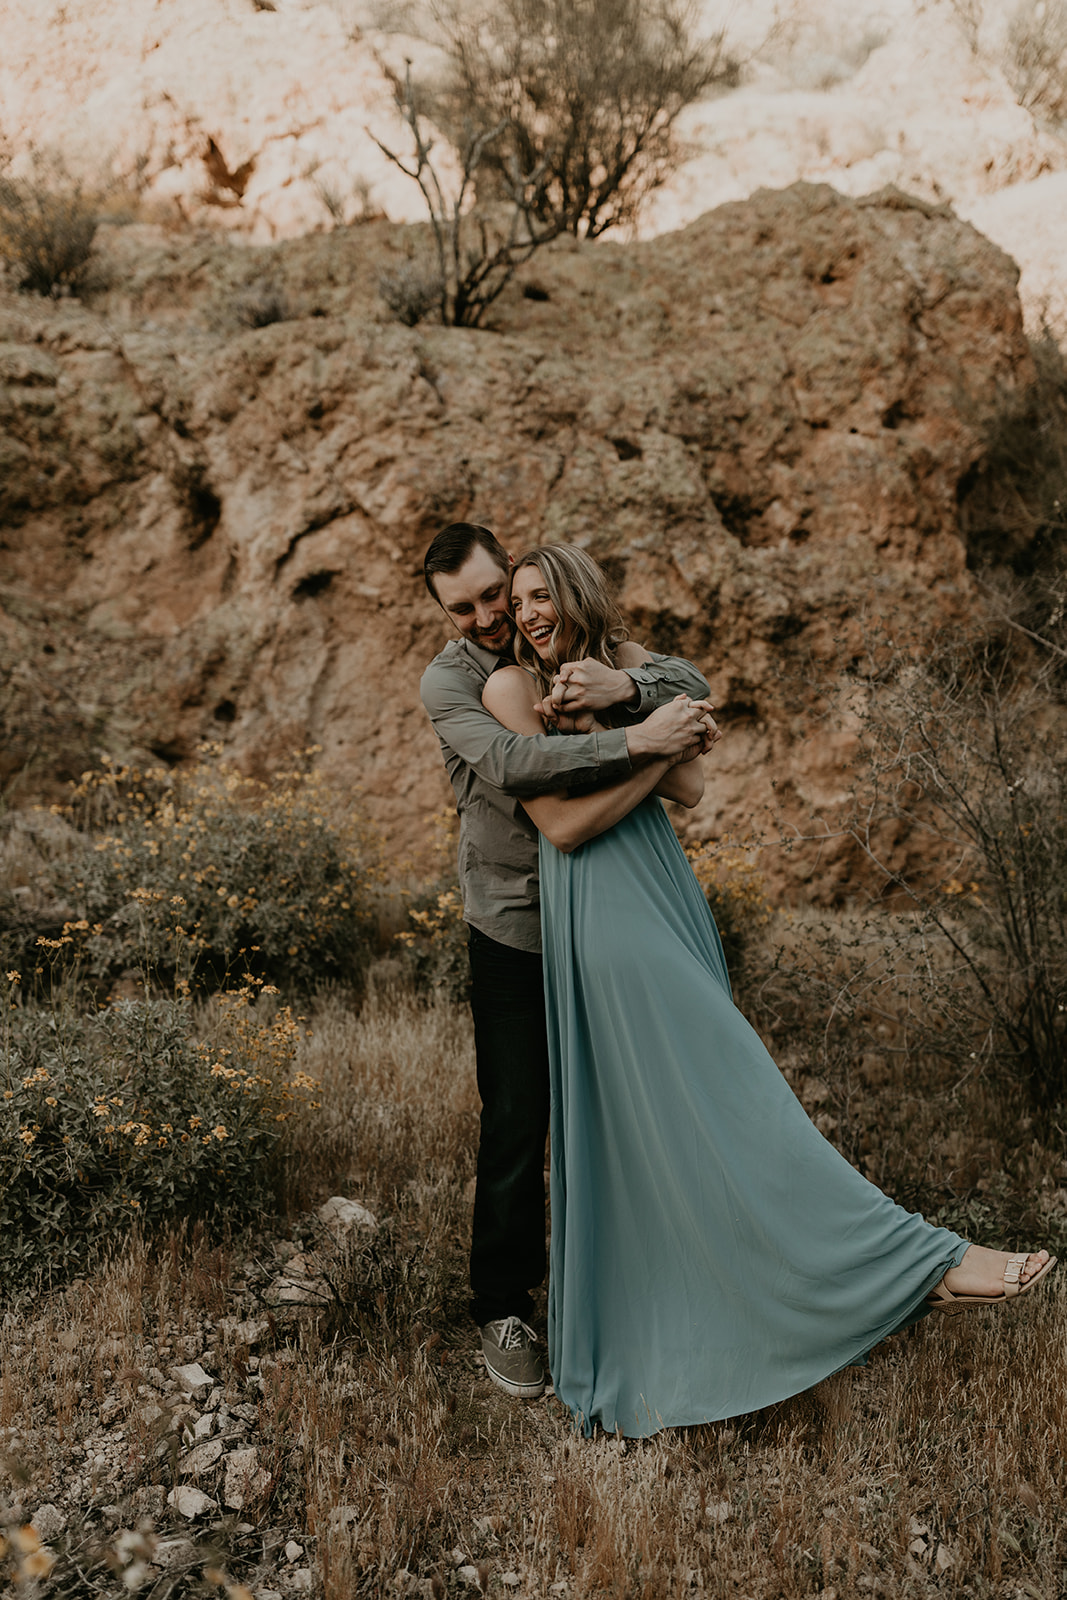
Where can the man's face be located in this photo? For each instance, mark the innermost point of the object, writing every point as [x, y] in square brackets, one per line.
[476, 599]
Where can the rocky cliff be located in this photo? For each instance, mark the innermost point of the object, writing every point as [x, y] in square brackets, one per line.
[761, 424]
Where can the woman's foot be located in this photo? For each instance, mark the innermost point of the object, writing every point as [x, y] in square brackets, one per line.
[985, 1276]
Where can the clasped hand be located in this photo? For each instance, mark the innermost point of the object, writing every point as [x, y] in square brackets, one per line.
[681, 730]
[585, 686]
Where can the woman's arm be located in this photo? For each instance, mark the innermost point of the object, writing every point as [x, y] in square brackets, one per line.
[684, 782]
[565, 820]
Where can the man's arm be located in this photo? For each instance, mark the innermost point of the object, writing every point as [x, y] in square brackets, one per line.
[566, 820]
[637, 686]
[537, 763]
[507, 760]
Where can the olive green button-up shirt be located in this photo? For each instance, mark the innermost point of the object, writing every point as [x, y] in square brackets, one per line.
[491, 768]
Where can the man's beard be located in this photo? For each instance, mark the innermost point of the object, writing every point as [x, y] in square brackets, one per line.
[496, 645]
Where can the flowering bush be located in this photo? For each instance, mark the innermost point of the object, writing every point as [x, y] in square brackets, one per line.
[147, 1109]
[206, 871]
[733, 888]
[433, 947]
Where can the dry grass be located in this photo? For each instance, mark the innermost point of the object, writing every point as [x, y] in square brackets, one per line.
[936, 1470]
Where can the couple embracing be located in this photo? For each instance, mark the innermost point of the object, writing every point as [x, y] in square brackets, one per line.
[711, 1252]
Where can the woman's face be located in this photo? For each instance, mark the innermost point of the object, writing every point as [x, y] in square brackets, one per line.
[535, 616]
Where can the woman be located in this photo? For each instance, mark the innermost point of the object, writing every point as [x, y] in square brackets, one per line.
[711, 1252]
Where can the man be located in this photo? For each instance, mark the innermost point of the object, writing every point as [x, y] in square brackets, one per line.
[466, 571]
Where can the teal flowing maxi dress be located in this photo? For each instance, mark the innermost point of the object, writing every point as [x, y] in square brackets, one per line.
[711, 1252]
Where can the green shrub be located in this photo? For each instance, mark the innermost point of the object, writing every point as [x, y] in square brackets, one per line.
[147, 1110]
[195, 874]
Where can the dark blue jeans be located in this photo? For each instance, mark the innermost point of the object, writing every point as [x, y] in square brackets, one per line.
[511, 1045]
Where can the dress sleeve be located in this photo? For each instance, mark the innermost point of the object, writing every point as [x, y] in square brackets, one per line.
[519, 764]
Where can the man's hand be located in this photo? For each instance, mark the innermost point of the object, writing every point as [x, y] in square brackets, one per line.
[674, 729]
[590, 686]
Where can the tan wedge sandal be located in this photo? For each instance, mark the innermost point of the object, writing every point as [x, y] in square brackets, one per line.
[942, 1299]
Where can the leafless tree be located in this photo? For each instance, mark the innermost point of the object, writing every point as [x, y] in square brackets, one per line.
[587, 94]
[562, 114]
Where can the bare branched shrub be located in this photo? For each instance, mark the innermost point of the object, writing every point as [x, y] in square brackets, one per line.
[587, 93]
[562, 116]
[970, 15]
[1036, 59]
[345, 209]
[963, 745]
[262, 303]
[412, 291]
[478, 250]
[48, 221]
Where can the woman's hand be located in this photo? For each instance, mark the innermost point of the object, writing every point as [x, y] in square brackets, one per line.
[566, 721]
[588, 685]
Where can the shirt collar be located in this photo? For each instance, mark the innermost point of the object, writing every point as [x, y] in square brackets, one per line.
[488, 660]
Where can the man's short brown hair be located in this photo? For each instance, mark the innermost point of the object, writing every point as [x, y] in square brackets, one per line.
[453, 545]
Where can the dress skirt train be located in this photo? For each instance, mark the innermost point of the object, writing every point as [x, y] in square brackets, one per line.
[711, 1252]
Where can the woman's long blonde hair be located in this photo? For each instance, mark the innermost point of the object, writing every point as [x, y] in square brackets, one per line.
[579, 592]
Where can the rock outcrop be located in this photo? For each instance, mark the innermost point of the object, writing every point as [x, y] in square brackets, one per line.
[760, 424]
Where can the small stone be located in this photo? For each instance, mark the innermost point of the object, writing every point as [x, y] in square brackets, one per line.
[191, 1503]
[719, 1511]
[511, 1579]
[174, 1552]
[301, 1580]
[342, 1519]
[470, 1575]
[343, 1215]
[204, 1426]
[249, 1332]
[193, 1379]
[48, 1522]
[293, 1551]
[301, 1284]
[266, 1594]
[201, 1458]
[245, 1478]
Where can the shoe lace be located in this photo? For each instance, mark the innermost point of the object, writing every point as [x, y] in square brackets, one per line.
[514, 1333]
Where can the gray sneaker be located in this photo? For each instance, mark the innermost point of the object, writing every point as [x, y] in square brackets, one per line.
[511, 1359]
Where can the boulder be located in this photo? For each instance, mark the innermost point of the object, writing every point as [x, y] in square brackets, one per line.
[762, 425]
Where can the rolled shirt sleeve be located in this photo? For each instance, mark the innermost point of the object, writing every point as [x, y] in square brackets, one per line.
[658, 681]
